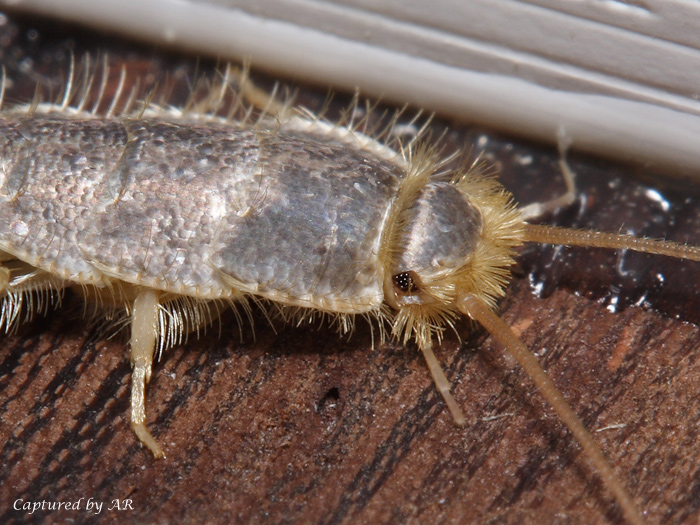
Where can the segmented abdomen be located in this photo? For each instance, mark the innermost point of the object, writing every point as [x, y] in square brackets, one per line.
[197, 210]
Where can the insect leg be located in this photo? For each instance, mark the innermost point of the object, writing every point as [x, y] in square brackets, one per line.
[264, 101]
[144, 331]
[442, 384]
[537, 209]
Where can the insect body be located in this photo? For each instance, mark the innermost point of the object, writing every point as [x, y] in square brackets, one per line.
[168, 220]
[228, 213]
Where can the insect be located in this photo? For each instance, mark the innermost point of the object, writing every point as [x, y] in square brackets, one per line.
[380, 279]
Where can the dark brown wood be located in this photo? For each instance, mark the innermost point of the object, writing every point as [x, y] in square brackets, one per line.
[299, 425]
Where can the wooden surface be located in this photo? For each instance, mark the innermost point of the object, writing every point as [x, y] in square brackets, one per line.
[297, 425]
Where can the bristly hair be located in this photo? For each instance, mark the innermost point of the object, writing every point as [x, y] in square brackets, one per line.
[486, 273]
[225, 100]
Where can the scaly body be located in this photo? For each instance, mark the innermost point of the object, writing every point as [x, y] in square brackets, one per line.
[200, 212]
[164, 218]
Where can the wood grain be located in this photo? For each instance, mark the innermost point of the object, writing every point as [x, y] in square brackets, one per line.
[297, 425]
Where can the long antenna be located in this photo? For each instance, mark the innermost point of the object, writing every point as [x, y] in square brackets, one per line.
[594, 239]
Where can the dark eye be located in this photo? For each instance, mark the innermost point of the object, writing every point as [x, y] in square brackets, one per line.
[406, 283]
